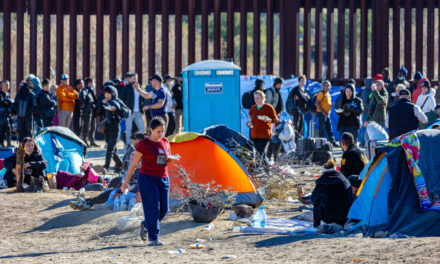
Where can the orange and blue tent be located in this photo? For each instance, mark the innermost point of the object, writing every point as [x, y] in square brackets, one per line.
[206, 160]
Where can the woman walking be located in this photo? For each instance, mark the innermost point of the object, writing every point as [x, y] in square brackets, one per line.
[153, 181]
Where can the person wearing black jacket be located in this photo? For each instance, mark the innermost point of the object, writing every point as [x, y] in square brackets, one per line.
[87, 102]
[177, 96]
[135, 102]
[298, 97]
[23, 107]
[113, 109]
[34, 166]
[5, 114]
[353, 160]
[76, 118]
[332, 197]
[46, 105]
[349, 107]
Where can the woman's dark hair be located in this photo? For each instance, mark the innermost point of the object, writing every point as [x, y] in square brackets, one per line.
[302, 77]
[87, 81]
[78, 82]
[137, 136]
[27, 139]
[156, 122]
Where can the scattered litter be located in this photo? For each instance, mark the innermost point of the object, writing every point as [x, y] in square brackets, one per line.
[360, 235]
[291, 200]
[197, 246]
[229, 257]
[358, 259]
[132, 220]
[306, 216]
[209, 227]
[179, 251]
[305, 173]
[232, 216]
[237, 228]
[211, 239]
[199, 240]
[45, 232]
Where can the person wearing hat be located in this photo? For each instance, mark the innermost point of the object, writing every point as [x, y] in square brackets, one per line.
[400, 79]
[168, 83]
[159, 103]
[349, 107]
[353, 159]
[66, 97]
[404, 116]
[23, 106]
[426, 99]
[177, 93]
[417, 88]
[131, 98]
[378, 103]
[273, 96]
[113, 109]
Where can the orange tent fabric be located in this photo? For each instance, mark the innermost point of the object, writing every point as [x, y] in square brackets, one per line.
[206, 161]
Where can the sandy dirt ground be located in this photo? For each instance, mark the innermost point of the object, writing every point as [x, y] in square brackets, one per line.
[42, 228]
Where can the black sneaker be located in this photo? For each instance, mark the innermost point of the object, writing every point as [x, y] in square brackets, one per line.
[155, 243]
[93, 144]
[144, 233]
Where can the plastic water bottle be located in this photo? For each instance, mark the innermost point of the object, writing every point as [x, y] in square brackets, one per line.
[260, 217]
[116, 204]
[123, 203]
[132, 203]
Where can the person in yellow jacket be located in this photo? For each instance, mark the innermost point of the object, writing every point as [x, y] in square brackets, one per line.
[66, 97]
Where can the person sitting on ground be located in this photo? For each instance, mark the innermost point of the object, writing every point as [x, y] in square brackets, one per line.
[134, 139]
[112, 192]
[332, 196]
[355, 182]
[31, 168]
[353, 160]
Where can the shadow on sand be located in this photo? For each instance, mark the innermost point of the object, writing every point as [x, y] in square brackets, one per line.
[70, 219]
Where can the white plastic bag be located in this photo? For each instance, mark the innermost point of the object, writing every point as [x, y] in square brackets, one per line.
[132, 220]
[376, 132]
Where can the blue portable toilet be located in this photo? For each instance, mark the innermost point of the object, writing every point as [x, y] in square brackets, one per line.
[211, 95]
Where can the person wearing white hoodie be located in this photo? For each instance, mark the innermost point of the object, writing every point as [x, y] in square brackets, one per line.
[426, 100]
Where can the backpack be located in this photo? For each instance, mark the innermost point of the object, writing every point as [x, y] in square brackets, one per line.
[248, 99]
[290, 104]
[124, 109]
[311, 107]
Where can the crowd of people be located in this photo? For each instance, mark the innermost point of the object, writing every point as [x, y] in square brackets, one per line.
[38, 105]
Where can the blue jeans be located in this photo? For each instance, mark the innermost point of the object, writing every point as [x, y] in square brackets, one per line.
[325, 126]
[154, 193]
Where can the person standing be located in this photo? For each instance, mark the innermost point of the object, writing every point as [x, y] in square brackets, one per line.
[23, 106]
[46, 104]
[350, 108]
[177, 93]
[76, 117]
[404, 116]
[323, 105]
[262, 116]
[87, 105]
[273, 96]
[168, 82]
[113, 116]
[159, 104]
[378, 104]
[426, 99]
[66, 97]
[35, 84]
[296, 105]
[5, 114]
[391, 88]
[153, 181]
[131, 98]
